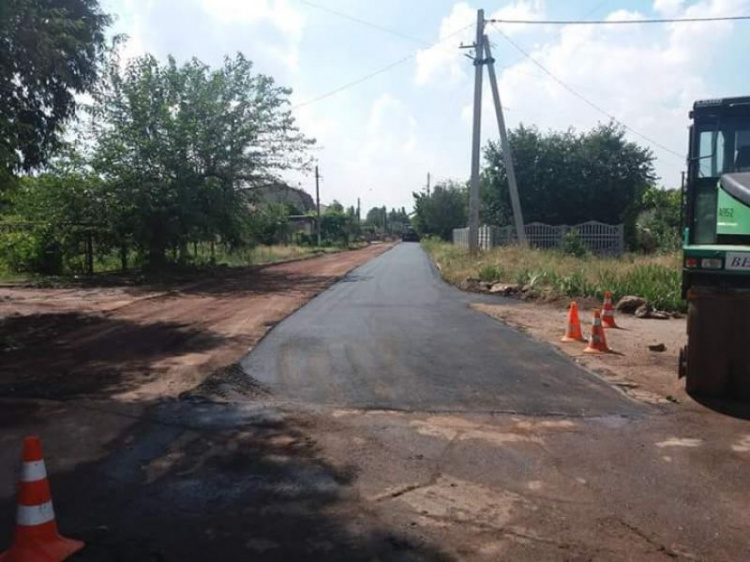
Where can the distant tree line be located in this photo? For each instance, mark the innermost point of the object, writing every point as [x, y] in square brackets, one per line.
[387, 222]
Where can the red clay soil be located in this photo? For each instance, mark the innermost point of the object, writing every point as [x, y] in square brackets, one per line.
[144, 342]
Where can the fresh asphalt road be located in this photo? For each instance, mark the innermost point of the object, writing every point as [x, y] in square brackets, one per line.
[393, 335]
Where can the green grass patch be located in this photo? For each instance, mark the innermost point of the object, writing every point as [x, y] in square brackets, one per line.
[552, 274]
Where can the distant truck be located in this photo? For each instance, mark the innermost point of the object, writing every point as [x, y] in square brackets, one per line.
[409, 235]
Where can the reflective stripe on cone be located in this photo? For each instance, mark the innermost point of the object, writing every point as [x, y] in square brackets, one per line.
[30, 515]
[33, 471]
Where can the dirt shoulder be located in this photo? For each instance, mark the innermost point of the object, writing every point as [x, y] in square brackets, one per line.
[146, 342]
[643, 374]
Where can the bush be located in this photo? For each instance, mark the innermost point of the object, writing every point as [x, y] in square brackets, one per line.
[304, 239]
[574, 246]
[30, 252]
[490, 273]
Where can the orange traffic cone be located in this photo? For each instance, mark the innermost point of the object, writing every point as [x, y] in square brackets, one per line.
[608, 314]
[573, 331]
[597, 341]
[36, 538]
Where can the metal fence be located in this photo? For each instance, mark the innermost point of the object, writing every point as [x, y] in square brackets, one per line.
[599, 238]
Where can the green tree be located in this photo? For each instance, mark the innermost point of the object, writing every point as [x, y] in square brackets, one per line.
[270, 225]
[660, 220]
[398, 216]
[336, 207]
[569, 177]
[376, 217]
[65, 208]
[336, 225]
[49, 51]
[441, 211]
[182, 147]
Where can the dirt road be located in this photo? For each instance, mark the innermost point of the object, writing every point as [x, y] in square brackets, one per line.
[147, 342]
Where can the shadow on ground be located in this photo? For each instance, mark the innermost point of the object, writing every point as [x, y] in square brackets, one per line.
[66, 355]
[731, 408]
[212, 482]
[257, 282]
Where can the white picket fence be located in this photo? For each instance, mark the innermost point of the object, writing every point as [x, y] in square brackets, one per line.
[599, 238]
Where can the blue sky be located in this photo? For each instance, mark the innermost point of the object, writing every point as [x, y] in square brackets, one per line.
[378, 139]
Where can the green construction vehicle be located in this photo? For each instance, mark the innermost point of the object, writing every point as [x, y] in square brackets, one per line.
[716, 250]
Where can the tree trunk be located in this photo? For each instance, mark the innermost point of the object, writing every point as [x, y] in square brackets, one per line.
[157, 256]
[183, 254]
[89, 254]
[123, 258]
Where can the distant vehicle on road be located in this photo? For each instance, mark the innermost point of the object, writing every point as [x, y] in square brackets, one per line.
[409, 235]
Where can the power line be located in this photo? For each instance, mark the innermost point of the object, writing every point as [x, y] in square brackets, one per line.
[376, 72]
[584, 98]
[583, 17]
[355, 82]
[618, 22]
[364, 22]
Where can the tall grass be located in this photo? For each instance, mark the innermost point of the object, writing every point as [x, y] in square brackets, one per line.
[552, 274]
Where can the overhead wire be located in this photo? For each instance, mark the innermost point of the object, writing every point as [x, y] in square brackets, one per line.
[367, 23]
[584, 98]
[618, 22]
[377, 72]
[514, 44]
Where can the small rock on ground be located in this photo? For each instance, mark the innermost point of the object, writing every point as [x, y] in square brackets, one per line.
[629, 304]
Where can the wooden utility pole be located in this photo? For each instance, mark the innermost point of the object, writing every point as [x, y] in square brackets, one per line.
[428, 184]
[317, 202]
[476, 140]
[510, 170]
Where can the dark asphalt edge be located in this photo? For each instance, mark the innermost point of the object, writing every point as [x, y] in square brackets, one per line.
[324, 407]
[481, 298]
[484, 298]
[649, 408]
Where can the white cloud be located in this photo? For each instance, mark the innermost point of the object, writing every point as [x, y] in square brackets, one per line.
[271, 30]
[278, 13]
[668, 7]
[391, 127]
[445, 61]
[646, 76]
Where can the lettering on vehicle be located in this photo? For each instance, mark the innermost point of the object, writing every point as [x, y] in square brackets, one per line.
[726, 212]
[738, 262]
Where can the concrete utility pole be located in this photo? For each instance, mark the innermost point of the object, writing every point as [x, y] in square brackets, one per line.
[476, 141]
[317, 202]
[507, 153]
[428, 184]
[359, 208]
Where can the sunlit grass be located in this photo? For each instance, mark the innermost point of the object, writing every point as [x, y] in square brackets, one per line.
[553, 274]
